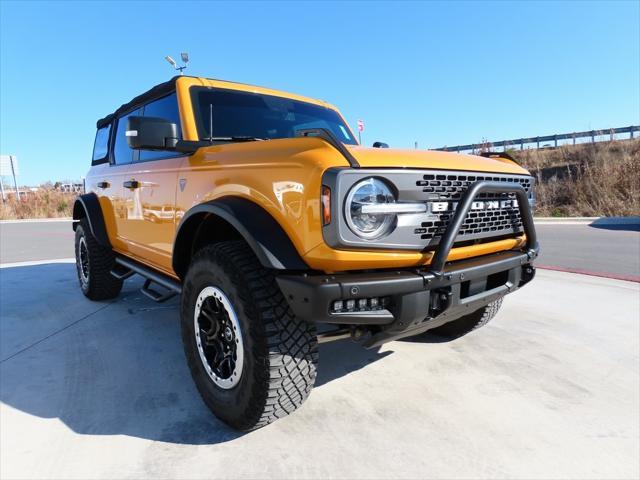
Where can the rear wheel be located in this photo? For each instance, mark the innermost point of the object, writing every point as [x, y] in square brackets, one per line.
[94, 264]
[252, 360]
[468, 323]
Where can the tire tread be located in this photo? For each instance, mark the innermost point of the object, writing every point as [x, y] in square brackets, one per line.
[102, 285]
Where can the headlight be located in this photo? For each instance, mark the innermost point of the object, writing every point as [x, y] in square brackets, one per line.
[367, 209]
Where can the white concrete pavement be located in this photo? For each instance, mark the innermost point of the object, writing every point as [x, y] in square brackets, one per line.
[549, 389]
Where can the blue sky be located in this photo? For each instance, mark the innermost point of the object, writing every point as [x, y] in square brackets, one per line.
[436, 73]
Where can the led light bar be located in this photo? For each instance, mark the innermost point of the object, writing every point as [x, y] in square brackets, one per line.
[358, 305]
[394, 208]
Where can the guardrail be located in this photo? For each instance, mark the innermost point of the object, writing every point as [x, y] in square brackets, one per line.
[521, 142]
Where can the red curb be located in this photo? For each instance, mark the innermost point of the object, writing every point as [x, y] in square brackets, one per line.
[615, 276]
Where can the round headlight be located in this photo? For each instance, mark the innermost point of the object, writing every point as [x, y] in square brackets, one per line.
[369, 224]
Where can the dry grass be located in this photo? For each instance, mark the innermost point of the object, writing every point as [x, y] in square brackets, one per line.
[45, 203]
[601, 179]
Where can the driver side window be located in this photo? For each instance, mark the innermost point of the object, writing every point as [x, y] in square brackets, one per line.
[167, 108]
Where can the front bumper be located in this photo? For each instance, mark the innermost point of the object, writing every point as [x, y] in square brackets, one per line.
[424, 298]
[418, 300]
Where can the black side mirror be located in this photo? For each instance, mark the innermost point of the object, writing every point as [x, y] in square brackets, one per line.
[151, 133]
[380, 145]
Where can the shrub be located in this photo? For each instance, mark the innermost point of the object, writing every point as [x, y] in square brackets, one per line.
[40, 204]
[593, 180]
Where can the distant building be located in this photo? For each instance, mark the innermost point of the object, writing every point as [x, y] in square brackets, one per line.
[72, 187]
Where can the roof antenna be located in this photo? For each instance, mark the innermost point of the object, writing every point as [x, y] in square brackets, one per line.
[185, 60]
[211, 123]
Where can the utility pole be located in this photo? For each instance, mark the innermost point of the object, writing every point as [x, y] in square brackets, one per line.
[13, 172]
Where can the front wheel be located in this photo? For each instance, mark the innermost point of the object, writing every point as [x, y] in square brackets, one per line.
[252, 360]
[468, 323]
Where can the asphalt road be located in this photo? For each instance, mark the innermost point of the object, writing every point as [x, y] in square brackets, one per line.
[549, 389]
[28, 241]
[613, 249]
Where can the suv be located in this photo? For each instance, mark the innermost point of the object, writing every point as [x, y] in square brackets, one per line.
[262, 211]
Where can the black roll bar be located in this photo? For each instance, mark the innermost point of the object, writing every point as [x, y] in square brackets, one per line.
[450, 234]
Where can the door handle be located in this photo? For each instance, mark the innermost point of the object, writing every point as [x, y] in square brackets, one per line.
[103, 184]
[131, 184]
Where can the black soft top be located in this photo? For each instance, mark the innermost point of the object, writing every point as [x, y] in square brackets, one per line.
[155, 92]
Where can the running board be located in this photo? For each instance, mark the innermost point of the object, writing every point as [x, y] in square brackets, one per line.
[155, 295]
[126, 267]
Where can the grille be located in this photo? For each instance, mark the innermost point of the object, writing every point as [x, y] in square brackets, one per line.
[450, 187]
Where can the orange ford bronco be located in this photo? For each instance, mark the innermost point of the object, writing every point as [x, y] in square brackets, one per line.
[260, 209]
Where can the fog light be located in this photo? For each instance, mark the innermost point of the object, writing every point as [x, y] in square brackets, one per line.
[359, 305]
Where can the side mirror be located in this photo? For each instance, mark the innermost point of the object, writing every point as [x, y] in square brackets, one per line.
[151, 133]
[380, 145]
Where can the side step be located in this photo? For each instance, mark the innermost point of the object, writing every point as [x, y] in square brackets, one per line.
[126, 267]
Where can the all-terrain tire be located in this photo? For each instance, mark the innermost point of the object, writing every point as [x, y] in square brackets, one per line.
[94, 264]
[468, 323]
[280, 352]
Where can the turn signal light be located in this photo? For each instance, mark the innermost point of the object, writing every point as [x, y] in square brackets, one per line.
[326, 205]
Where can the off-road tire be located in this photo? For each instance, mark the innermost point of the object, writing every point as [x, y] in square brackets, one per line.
[280, 351]
[98, 283]
[468, 323]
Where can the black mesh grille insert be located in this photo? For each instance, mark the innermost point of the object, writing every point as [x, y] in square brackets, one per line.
[480, 223]
[452, 187]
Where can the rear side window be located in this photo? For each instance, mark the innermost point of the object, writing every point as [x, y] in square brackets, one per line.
[167, 108]
[101, 145]
[122, 154]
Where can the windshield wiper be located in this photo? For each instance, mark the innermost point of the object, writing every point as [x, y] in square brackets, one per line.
[239, 138]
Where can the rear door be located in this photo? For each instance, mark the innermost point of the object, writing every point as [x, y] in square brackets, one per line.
[105, 181]
[122, 158]
[149, 191]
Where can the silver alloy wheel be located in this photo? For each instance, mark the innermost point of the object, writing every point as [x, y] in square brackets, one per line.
[218, 337]
[83, 260]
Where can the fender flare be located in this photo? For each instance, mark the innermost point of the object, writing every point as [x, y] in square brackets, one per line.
[255, 225]
[88, 206]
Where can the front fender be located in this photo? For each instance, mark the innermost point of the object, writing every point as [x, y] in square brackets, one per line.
[258, 228]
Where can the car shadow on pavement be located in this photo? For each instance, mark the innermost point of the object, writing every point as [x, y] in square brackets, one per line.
[631, 225]
[111, 368]
[342, 357]
[426, 337]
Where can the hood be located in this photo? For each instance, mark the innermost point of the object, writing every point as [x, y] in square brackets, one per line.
[431, 159]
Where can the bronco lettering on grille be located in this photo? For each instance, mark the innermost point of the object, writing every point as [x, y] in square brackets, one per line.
[477, 205]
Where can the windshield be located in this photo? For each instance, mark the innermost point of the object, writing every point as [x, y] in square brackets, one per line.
[246, 114]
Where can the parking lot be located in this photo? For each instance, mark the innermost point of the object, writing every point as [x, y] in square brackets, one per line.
[549, 389]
